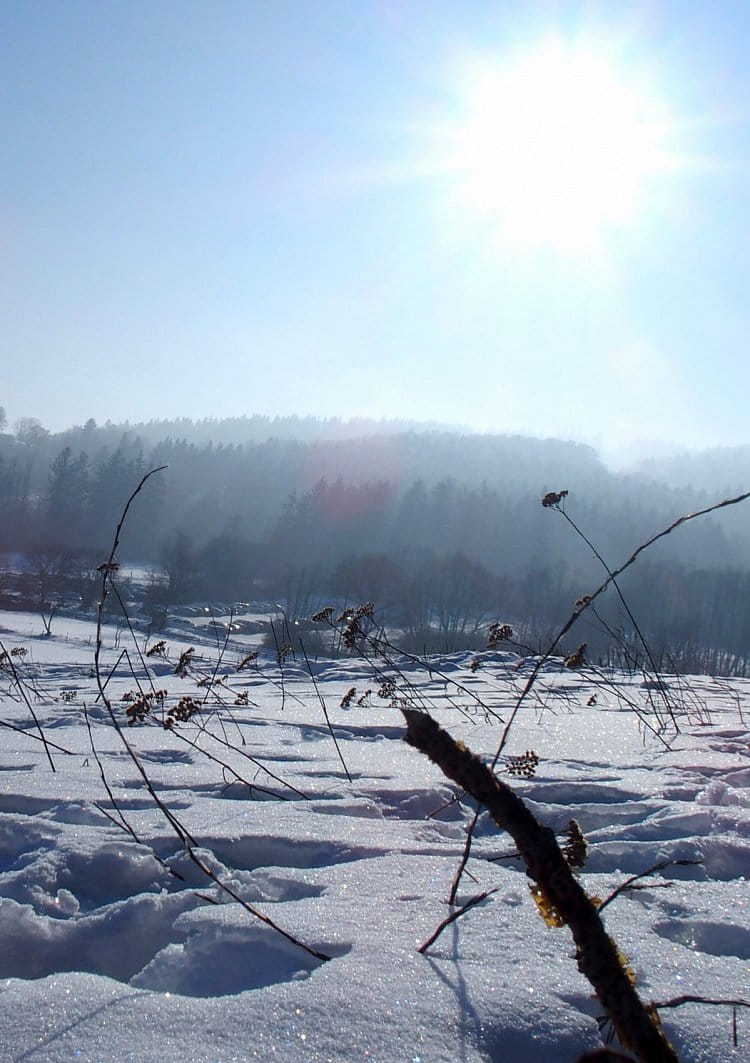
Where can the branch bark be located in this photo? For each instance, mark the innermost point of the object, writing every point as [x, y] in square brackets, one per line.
[598, 959]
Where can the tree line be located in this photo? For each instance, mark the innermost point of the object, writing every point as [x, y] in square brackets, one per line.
[443, 531]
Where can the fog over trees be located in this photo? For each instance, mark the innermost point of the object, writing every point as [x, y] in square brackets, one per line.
[444, 531]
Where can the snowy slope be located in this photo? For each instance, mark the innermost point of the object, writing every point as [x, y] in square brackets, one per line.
[110, 947]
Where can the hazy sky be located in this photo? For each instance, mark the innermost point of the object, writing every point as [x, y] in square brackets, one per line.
[513, 216]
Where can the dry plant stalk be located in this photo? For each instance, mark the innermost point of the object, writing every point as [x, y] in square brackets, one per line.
[636, 1024]
[107, 570]
[7, 661]
[550, 500]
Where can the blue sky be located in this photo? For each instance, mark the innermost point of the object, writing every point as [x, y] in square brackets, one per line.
[216, 208]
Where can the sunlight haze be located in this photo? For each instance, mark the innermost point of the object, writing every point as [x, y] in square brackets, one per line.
[523, 217]
[552, 146]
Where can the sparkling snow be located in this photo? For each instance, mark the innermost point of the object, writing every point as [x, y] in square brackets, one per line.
[116, 949]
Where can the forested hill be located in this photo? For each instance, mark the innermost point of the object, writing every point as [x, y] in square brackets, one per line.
[369, 514]
[716, 469]
[236, 431]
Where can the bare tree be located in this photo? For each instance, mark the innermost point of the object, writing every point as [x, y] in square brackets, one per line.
[29, 430]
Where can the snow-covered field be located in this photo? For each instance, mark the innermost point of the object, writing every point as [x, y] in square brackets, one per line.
[113, 948]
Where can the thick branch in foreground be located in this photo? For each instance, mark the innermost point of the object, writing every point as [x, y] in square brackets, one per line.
[598, 959]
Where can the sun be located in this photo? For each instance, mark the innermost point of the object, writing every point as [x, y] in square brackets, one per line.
[556, 147]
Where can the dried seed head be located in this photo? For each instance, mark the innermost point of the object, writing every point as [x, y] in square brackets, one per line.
[577, 658]
[185, 708]
[498, 632]
[186, 659]
[140, 707]
[351, 633]
[576, 846]
[523, 765]
[553, 498]
[247, 660]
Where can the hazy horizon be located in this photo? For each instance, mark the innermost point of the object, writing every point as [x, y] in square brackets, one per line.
[628, 455]
[515, 221]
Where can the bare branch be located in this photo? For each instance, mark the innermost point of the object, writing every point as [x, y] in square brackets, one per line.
[596, 953]
[456, 915]
[628, 883]
[8, 659]
[693, 998]
[188, 842]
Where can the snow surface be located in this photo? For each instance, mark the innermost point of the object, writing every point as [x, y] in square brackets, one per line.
[106, 955]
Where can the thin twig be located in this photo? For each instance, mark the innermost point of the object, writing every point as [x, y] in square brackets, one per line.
[119, 819]
[560, 509]
[123, 653]
[693, 998]
[577, 612]
[121, 603]
[596, 954]
[186, 839]
[8, 659]
[456, 915]
[464, 855]
[379, 643]
[227, 767]
[280, 662]
[323, 705]
[580, 609]
[37, 738]
[219, 657]
[451, 801]
[628, 883]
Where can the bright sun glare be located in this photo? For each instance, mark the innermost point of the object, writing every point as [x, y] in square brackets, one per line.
[555, 148]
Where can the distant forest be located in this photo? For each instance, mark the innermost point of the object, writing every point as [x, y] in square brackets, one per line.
[444, 531]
